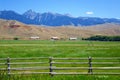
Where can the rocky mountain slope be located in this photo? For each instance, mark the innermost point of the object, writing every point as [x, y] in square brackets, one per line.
[12, 28]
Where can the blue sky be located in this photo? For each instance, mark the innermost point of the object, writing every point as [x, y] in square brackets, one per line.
[83, 8]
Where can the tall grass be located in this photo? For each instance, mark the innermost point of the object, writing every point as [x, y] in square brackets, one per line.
[59, 77]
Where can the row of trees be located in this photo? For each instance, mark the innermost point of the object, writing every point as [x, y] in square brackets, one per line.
[103, 38]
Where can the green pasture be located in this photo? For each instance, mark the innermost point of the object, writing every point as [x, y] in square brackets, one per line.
[37, 48]
[59, 49]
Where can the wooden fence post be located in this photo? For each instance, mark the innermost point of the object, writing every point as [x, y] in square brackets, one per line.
[50, 62]
[8, 66]
[90, 65]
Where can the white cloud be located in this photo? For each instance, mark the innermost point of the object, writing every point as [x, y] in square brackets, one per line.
[89, 12]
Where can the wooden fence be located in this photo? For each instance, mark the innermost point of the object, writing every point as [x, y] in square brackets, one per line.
[56, 66]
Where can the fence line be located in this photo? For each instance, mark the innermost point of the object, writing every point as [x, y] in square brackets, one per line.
[52, 65]
[82, 58]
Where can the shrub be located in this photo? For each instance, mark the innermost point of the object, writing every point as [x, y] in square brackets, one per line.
[16, 38]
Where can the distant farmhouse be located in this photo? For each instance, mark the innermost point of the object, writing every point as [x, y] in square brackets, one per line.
[55, 38]
[34, 37]
[73, 38]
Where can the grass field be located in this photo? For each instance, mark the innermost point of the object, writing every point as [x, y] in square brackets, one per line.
[37, 48]
[11, 48]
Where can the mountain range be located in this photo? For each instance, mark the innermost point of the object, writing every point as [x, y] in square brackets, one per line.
[54, 19]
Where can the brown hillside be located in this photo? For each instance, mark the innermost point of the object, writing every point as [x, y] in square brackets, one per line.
[106, 29]
[12, 28]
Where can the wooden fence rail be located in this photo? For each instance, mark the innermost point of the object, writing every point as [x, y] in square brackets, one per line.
[56, 66]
